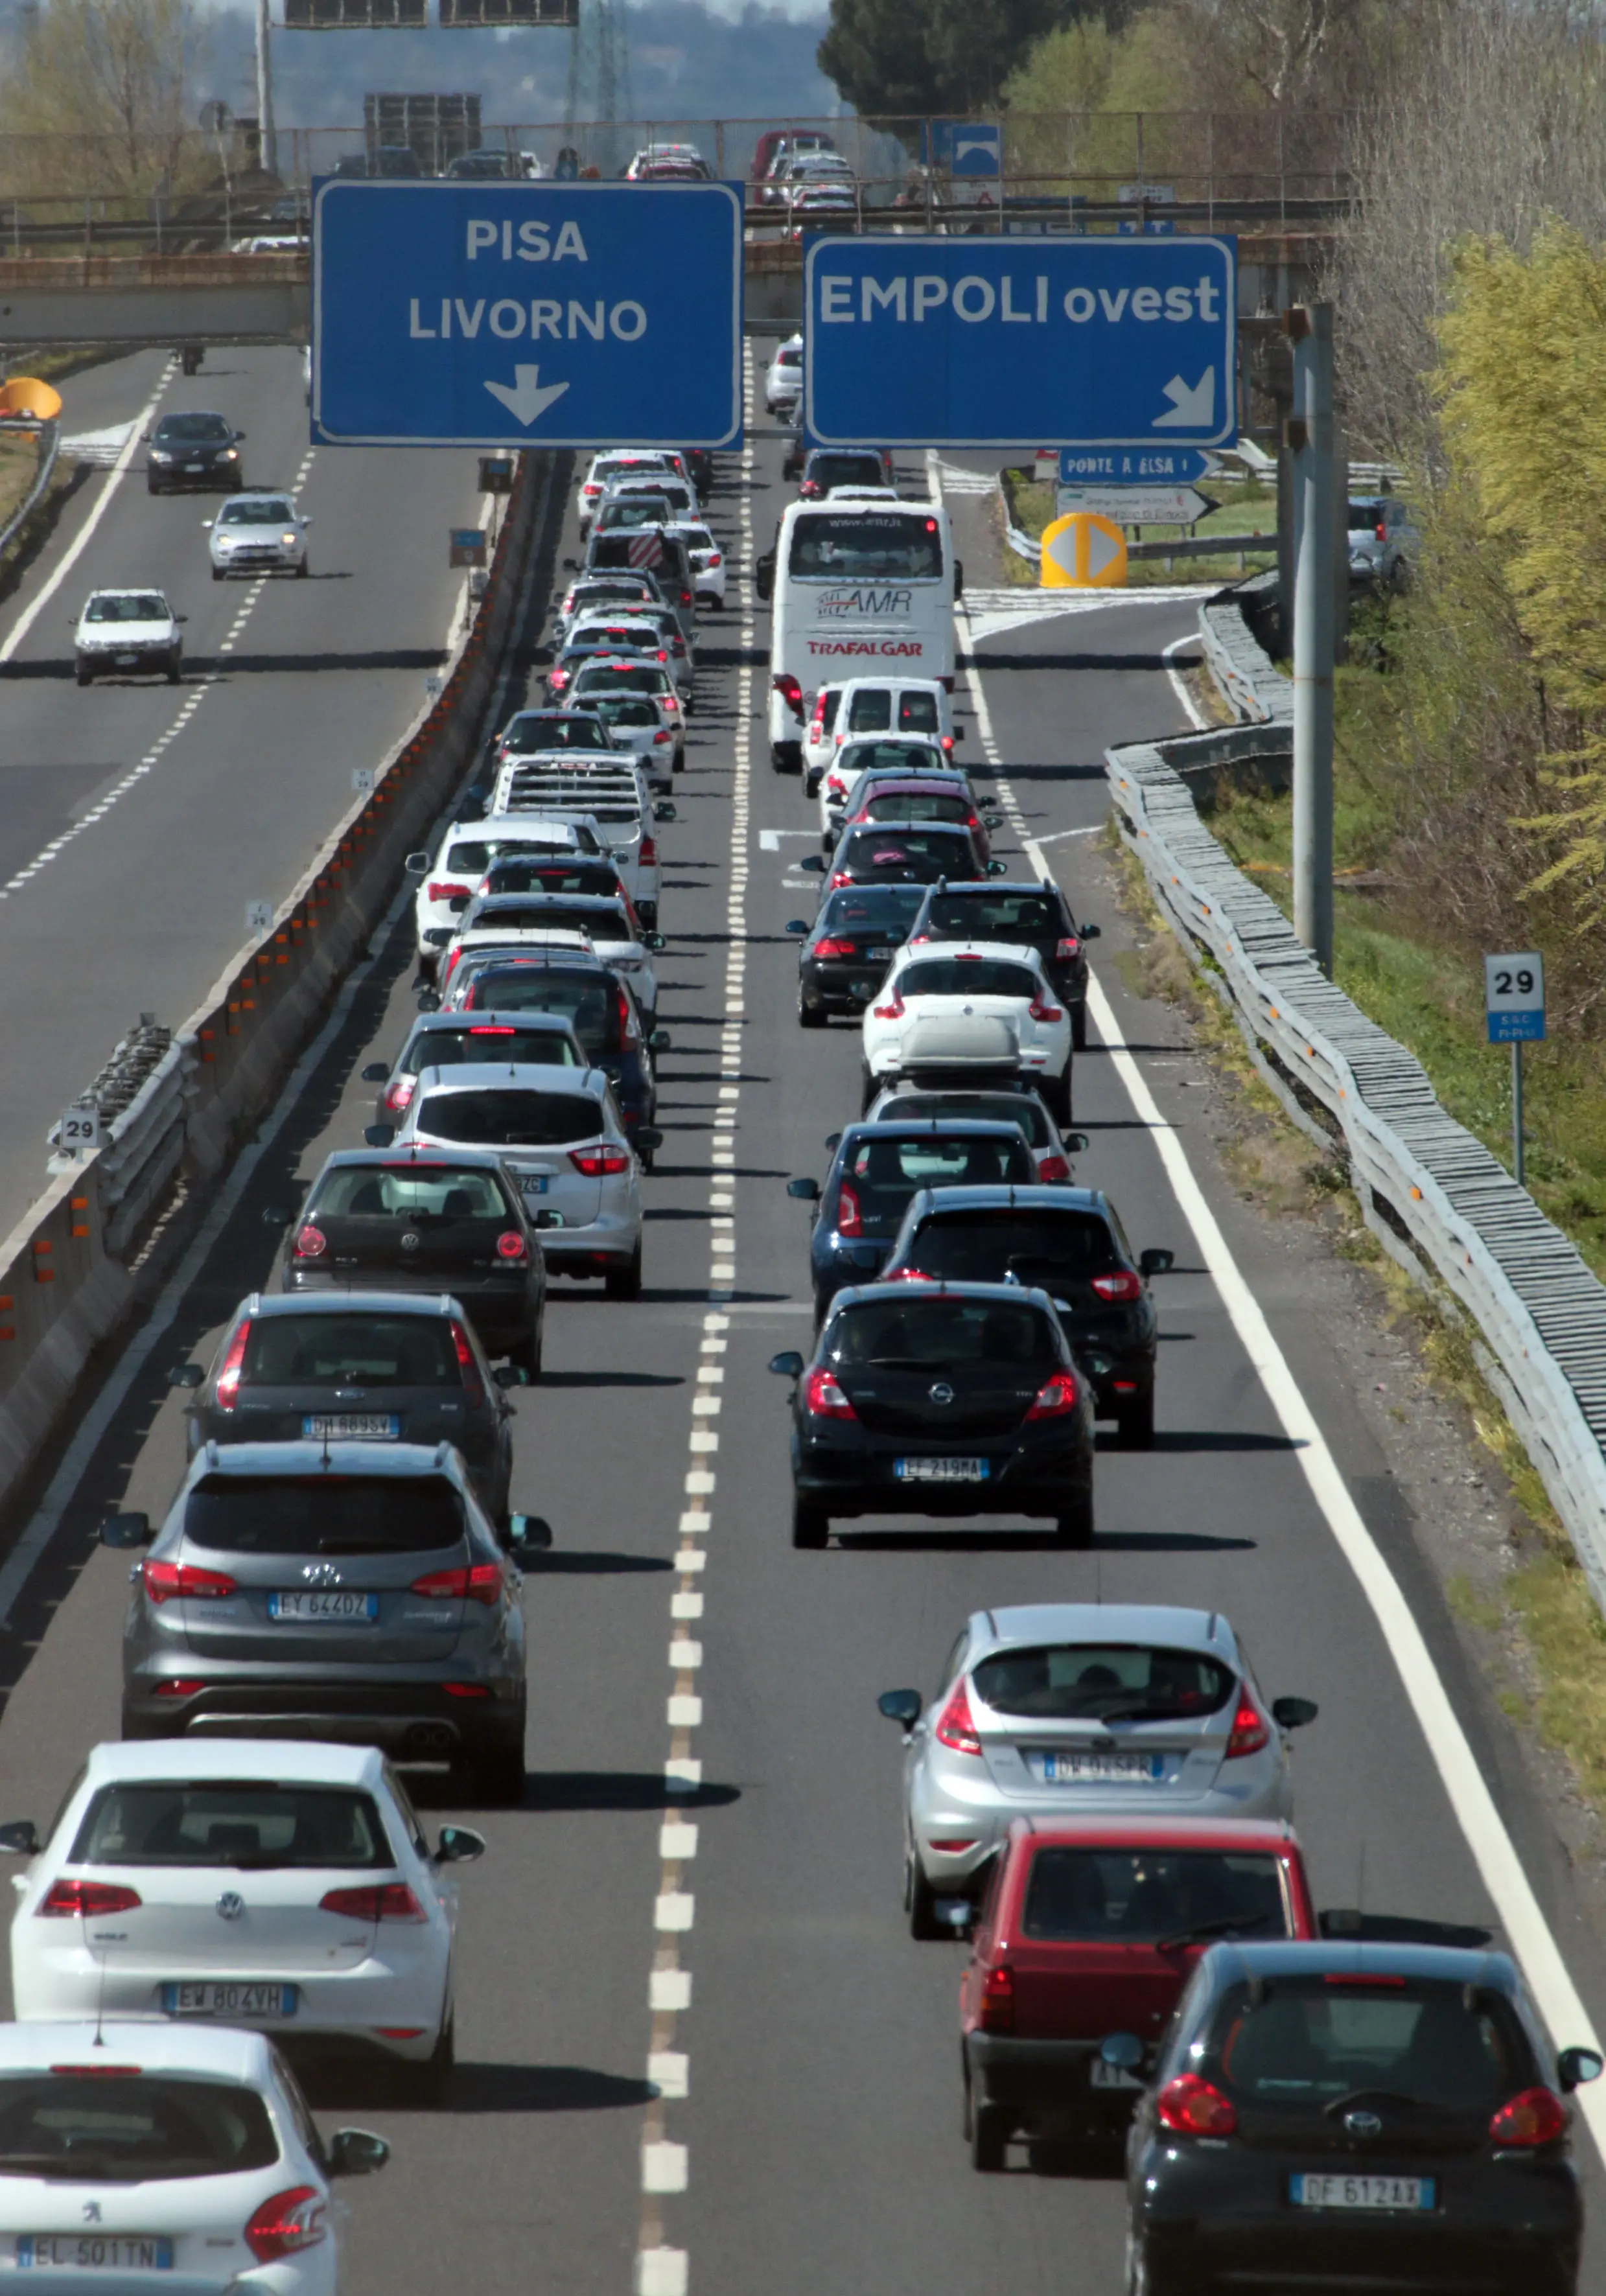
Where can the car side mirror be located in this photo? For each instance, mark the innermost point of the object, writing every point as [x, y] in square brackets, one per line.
[357, 2153]
[904, 1706]
[1156, 1263]
[664, 810]
[650, 1137]
[997, 868]
[1573, 2067]
[181, 618]
[789, 1366]
[993, 820]
[206, 526]
[378, 1136]
[655, 941]
[275, 1215]
[806, 1191]
[1124, 2051]
[511, 1375]
[763, 578]
[1090, 933]
[528, 1535]
[375, 1072]
[572, 566]
[1294, 1713]
[238, 436]
[417, 864]
[1077, 1142]
[19, 1838]
[459, 1845]
[309, 520]
[833, 1141]
[427, 1000]
[185, 1375]
[796, 925]
[126, 1530]
[813, 865]
[658, 1041]
[1091, 1361]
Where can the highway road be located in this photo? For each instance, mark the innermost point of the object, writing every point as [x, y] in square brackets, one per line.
[690, 2019]
[137, 819]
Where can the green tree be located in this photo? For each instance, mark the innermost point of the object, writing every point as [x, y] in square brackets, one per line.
[100, 91]
[905, 59]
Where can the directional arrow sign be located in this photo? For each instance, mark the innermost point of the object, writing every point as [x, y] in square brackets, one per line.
[1146, 466]
[515, 314]
[1137, 505]
[931, 341]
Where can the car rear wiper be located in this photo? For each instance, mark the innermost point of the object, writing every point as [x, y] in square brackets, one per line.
[1232, 1925]
[911, 1363]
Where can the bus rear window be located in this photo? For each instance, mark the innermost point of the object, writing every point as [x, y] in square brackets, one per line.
[866, 546]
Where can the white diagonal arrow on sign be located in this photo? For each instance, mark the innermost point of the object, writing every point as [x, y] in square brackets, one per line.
[1191, 406]
[525, 399]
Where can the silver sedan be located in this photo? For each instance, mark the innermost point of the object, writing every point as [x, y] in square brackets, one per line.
[258, 534]
[1080, 1709]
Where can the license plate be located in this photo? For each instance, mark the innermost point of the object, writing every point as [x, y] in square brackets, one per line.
[195, 1999]
[352, 1426]
[534, 1184]
[1113, 2076]
[882, 953]
[940, 1471]
[78, 2251]
[323, 1606]
[1310, 2191]
[1062, 1769]
[126, 660]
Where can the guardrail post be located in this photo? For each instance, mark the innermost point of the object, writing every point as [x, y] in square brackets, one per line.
[1310, 435]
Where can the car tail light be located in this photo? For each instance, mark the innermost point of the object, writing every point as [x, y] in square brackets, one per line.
[492, 1028]
[835, 782]
[395, 1099]
[906, 1275]
[1248, 1732]
[439, 889]
[810, 488]
[96, 2072]
[714, 559]
[791, 692]
[290, 2220]
[476, 1689]
[629, 1034]
[510, 1245]
[1377, 530]
[850, 1219]
[473, 1582]
[829, 948]
[556, 680]
[1055, 1397]
[953, 1848]
[597, 1163]
[311, 1243]
[662, 656]
[90, 1898]
[1069, 947]
[228, 1378]
[167, 1582]
[1039, 1011]
[893, 1011]
[467, 1363]
[1536, 2117]
[947, 741]
[823, 1399]
[179, 1686]
[649, 853]
[1122, 1285]
[662, 735]
[374, 1901]
[1053, 1167]
[955, 1728]
[1193, 2108]
[998, 2000]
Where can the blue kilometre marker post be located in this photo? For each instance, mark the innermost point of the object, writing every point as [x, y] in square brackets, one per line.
[527, 314]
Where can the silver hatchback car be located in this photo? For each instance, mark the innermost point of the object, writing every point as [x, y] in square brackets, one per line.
[258, 534]
[1080, 1709]
[333, 1591]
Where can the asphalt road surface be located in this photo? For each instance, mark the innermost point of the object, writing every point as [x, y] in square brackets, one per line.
[690, 2019]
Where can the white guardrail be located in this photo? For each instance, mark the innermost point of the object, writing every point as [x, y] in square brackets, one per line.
[1432, 1193]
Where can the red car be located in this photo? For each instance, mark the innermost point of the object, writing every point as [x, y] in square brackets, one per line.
[1092, 1929]
[923, 798]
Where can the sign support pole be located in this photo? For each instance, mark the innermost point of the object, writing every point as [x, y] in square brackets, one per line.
[267, 139]
[1311, 436]
[1517, 1110]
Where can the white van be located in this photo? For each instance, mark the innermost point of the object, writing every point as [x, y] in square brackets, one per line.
[855, 589]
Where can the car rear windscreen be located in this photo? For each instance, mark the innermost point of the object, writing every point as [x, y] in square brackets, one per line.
[627, 710]
[967, 976]
[323, 1513]
[511, 1118]
[901, 756]
[445, 1048]
[937, 1335]
[557, 915]
[525, 874]
[874, 711]
[1305, 2040]
[1366, 518]
[1128, 1681]
[261, 1824]
[409, 1192]
[867, 545]
[918, 805]
[470, 856]
[79, 2128]
[588, 1001]
[995, 916]
[884, 848]
[987, 1245]
[635, 510]
[890, 1169]
[1021, 1108]
[360, 1350]
[846, 471]
[887, 910]
[573, 731]
[602, 677]
[1137, 1897]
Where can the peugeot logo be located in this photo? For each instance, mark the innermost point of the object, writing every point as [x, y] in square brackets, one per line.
[941, 1392]
[411, 1241]
[92, 2212]
[1364, 2124]
[231, 1905]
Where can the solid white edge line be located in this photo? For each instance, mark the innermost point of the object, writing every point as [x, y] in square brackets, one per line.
[1178, 686]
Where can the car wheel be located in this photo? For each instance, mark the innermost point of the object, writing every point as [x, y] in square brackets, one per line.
[624, 1283]
[1078, 1026]
[151, 485]
[1058, 1094]
[83, 674]
[1135, 1422]
[920, 1903]
[810, 1016]
[173, 669]
[527, 1355]
[810, 1525]
[303, 570]
[427, 2084]
[989, 2135]
[498, 1777]
[680, 761]
[216, 573]
[1074, 1527]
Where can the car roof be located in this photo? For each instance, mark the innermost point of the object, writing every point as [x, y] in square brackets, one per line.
[997, 885]
[944, 1128]
[925, 828]
[999, 1295]
[489, 1076]
[554, 1023]
[1000, 1196]
[1350, 1957]
[406, 1462]
[269, 1307]
[301, 1760]
[1168, 1623]
[495, 905]
[484, 1160]
[223, 2053]
[906, 785]
[1011, 952]
[493, 937]
[1232, 1836]
[130, 590]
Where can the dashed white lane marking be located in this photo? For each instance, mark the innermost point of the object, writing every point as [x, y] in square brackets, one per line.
[662, 2268]
[1494, 1852]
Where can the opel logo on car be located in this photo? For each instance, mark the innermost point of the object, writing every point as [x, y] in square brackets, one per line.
[231, 1905]
[941, 1392]
[1364, 2124]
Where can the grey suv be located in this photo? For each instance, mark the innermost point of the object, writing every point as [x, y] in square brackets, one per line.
[332, 1590]
[1382, 541]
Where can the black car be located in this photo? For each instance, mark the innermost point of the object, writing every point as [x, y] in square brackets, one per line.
[900, 853]
[1354, 2115]
[361, 1367]
[193, 450]
[535, 730]
[847, 949]
[1037, 916]
[601, 1007]
[423, 1220]
[699, 469]
[874, 1172]
[840, 466]
[438, 1040]
[1071, 1242]
[963, 1399]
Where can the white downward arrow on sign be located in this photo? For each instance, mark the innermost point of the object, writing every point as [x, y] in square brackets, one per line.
[1192, 408]
[524, 399]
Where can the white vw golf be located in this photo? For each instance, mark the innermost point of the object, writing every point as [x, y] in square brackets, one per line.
[137, 2156]
[968, 1006]
[245, 1882]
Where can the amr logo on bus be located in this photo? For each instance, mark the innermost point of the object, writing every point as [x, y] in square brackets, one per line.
[863, 605]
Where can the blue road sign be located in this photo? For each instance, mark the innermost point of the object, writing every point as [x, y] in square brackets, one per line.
[933, 342]
[964, 147]
[515, 315]
[1134, 466]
